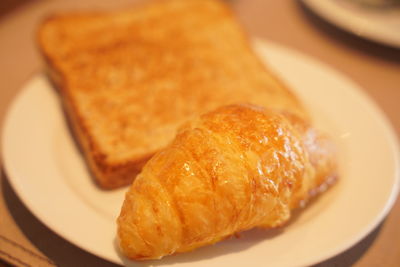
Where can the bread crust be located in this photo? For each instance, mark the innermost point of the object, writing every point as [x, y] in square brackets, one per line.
[107, 176]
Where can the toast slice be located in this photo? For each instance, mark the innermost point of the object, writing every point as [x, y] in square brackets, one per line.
[129, 78]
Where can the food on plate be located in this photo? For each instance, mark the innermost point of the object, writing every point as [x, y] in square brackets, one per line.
[128, 79]
[232, 169]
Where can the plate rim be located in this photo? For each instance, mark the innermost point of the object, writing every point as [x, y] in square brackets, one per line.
[9, 169]
[357, 26]
[390, 135]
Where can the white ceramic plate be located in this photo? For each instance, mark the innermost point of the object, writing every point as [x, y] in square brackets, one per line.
[47, 172]
[378, 24]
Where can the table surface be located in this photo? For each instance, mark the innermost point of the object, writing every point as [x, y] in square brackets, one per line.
[374, 67]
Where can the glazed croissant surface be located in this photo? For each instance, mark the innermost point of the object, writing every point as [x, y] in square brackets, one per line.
[230, 170]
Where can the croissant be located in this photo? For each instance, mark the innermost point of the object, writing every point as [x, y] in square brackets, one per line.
[230, 170]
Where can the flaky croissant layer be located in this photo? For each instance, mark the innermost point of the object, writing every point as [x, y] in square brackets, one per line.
[230, 170]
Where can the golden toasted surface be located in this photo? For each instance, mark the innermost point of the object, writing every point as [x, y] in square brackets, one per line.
[134, 76]
[230, 170]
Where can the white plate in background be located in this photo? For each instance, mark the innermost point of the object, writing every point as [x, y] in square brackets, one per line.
[378, 24]
[48, 173]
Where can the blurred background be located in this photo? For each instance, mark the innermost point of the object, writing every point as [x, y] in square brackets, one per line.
[373, 64]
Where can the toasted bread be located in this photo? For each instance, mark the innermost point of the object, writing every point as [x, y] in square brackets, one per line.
[130, 78]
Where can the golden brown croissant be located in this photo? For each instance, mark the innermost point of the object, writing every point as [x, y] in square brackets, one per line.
[230, 170]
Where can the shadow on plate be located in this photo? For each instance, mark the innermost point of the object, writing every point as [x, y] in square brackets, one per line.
[354, 42]
[228, 246]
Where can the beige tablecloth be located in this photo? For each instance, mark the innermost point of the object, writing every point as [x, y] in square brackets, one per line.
[25, 241]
